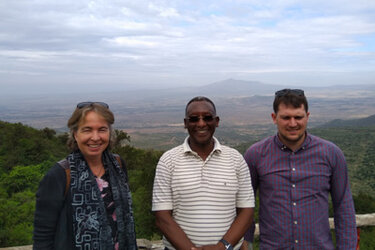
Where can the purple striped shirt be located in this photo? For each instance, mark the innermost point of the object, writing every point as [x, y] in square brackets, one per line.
[294, 189]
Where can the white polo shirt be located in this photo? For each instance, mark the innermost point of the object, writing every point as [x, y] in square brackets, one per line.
[203, 195]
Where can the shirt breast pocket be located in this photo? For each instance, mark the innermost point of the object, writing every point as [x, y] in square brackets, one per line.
[224, 185]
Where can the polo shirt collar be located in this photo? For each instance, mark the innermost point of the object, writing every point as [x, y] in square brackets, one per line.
[186, 146]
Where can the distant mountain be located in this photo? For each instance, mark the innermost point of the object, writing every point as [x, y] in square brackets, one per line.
[227, 88]
[362, 122]
[232, 87]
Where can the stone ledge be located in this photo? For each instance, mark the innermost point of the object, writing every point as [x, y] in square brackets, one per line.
[361, 220]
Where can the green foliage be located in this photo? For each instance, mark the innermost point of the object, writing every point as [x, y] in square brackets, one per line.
[144, 219]
[20, 234]
[23, 145]
[49, 133]
[364, 203]
[367, 239]
[121, 137]
[25, 156]
[141, 166]
[16, 218]
[358, 145]
[63, 138]
[22, 178]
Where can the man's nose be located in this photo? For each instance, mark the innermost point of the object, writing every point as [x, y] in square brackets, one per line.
[292, 122]
[201, 122]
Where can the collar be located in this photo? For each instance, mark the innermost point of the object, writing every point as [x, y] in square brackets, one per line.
[304, 145]
[187, 149]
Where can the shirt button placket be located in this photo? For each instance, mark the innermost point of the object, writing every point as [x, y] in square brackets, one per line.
[204, 179]
[293, 179]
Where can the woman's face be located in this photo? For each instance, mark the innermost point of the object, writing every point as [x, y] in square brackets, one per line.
[92, 135]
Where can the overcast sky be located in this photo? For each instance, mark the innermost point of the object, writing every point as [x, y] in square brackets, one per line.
[85, 43]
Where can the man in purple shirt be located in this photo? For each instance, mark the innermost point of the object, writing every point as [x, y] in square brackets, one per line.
[295, 173]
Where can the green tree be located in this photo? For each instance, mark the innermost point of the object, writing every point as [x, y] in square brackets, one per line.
[22, 178]
[16, 218]
[23, 145]
[364, 203]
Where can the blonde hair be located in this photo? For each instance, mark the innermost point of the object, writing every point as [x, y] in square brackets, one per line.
[79, 115]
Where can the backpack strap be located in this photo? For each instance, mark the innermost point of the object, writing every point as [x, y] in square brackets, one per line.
[118, 158]
[65, 165]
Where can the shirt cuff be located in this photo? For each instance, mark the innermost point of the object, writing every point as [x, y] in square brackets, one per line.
[161, 206]
[243, 204]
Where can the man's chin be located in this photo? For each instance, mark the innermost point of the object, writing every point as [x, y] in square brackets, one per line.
[202, 141]
[291, 138]
[294, 138]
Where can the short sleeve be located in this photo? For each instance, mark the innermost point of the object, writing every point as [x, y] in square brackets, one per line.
[245, 195]
[162, 194]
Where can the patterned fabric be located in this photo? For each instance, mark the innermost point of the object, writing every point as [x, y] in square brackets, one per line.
[294, 189]
[91, 226]
[203, 195]
[106, 194]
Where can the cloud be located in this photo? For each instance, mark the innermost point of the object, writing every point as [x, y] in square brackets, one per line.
[184, 42]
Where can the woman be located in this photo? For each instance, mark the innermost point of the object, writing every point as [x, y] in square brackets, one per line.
[94, 212]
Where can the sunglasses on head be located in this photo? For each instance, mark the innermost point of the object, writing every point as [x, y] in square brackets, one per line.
[206, 118]
[283, 92]
[86, 104]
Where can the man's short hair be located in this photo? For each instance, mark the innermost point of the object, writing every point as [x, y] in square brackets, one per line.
[200, 99]
[290, 97]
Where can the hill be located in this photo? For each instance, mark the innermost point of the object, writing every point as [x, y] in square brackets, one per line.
[358, 145]
[363, 122]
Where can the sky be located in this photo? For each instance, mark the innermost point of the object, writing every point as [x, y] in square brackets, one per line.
[71, 45]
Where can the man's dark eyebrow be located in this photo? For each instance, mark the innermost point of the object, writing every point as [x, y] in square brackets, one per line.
[289, 116]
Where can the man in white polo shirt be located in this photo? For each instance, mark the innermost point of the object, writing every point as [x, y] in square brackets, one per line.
[202, 197]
